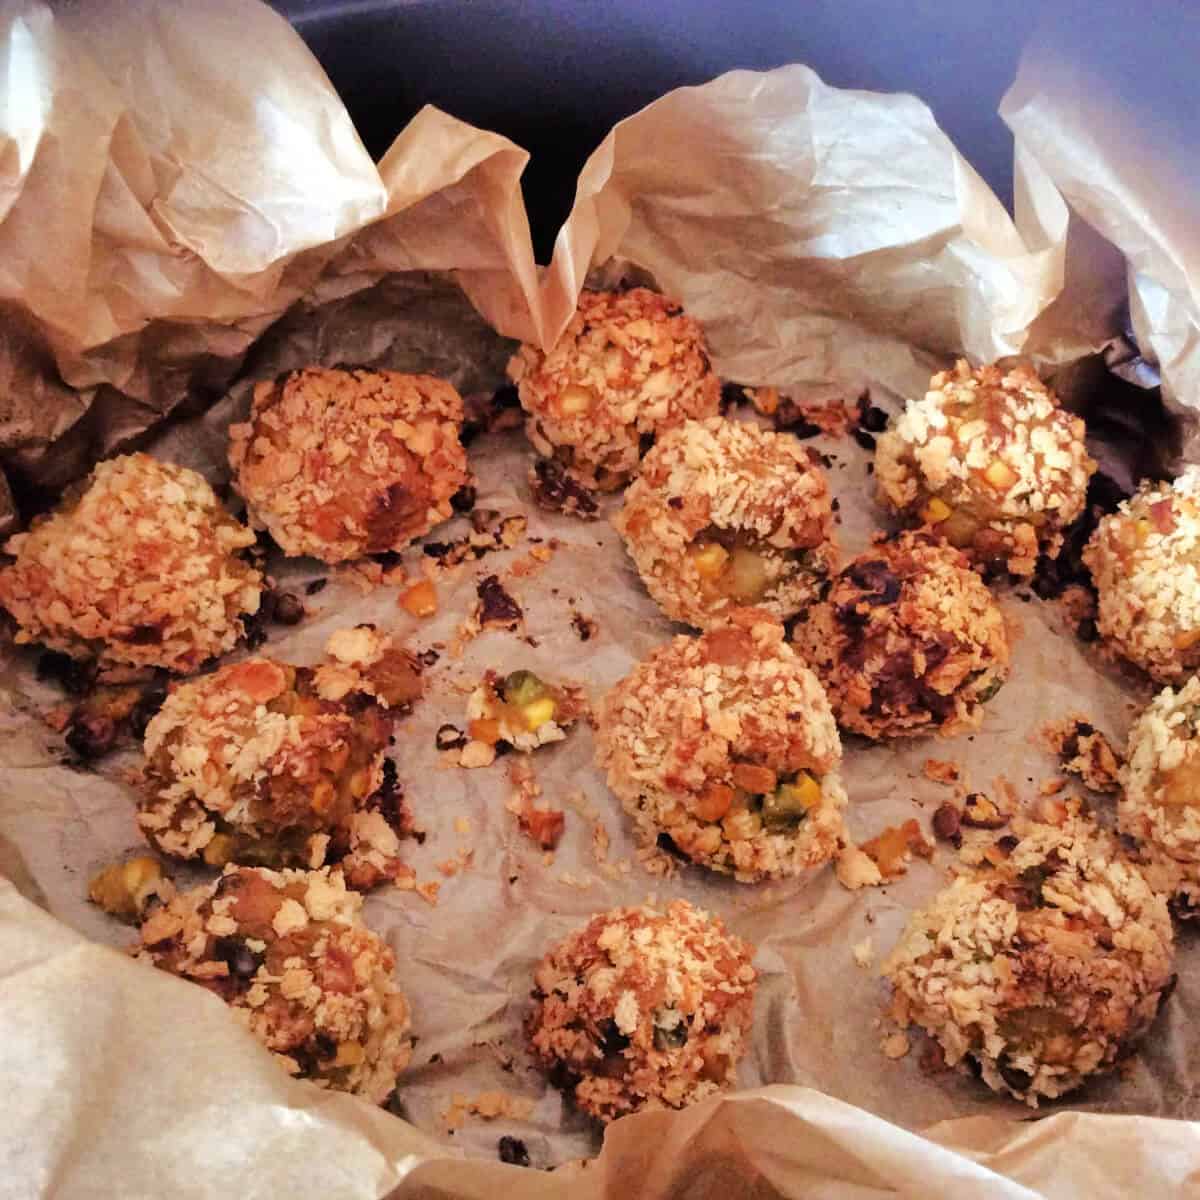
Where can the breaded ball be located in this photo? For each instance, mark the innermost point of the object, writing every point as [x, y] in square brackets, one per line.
[340, 464]
[138, 567]
[723, 514]
[1145, 563]
[289, 953]
[262, 762]
[628, 367]
[724, 749]
[642, 1009]
[1159, 804]
[990, 461]
[1044, 968]
[907, 641]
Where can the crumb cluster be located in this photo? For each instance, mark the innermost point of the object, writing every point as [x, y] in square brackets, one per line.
[340, 464]
[629, 366]
[990, 461]
[1145, 563]
[1160, 802]
[1045, 967]
[908, 640]
[138, 566]
[643, 1009]
[723, 514]
[725, 745]
[288, 951]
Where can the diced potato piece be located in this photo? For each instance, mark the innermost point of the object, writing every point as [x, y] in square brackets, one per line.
[420, 600]
[1000, 475]
[747, 574]
[1181, 786]
[935, 511]
[709, 559]
[574, 400]
[713, 803]
[485, 729]
[538, 712]
[754, 779]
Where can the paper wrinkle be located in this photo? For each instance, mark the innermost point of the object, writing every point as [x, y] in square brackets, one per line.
[1075, 140]
[827, 240]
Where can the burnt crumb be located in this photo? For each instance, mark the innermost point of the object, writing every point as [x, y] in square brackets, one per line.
[143, 712]
[835, 504]
[437, 549]
[502, 748]
[243, 962]
[877, 580]
[585, 627]
[554, 490]
[1183, 907]
[666, 843]
[870, 418]
[389, 799]
[435, 1058]
[317, 585]
[818, 459]
[427, 658]
[1053, 576]
[611, 1039]
[255, 624]
[789, 418]
[289, 610]
[675, 502]
[90, 735]
[732, 394]
[450, 737]
[1008, 843]
[484, 413]
[482, 519]
[946, 825]
[75, 676]
[464, 499]
[1016, 1079]
[513, 1151]
[1086, 630]
[496, 606]
[979, 812]
[864, 439]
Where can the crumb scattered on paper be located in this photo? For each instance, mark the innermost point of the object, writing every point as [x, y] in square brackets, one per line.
[488, 1105]
[895, 1045]
[1084, 751]
[941, 770]
[864, 952]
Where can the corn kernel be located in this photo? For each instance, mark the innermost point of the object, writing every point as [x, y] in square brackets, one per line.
[1144, 530]
[322, 796]
[218, 852]
[936, 510]
[808, 790]
[538, 712]
[349, 1054]
[575, 400]
[420, 600]
[1000, 475]
[710, 560]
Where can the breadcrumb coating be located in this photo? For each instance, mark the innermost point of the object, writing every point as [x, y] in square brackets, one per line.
[990, 461]
[289, 953]
[643, 1010]
[138, 567]
[340, 464]
[907, 641]
[726, 745]
[723, 513]
[262, 762]
[1043, 969]
[1160, 802]
[1145, 563]
[629, 366]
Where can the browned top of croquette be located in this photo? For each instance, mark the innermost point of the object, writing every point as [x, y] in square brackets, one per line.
[1145, 561]
[1042, 966]
[139, 567]
[683, 716]
[339, 464]
[643, 1008]
[708, 479]
[629, 365]
[288, 950]
[908, 638]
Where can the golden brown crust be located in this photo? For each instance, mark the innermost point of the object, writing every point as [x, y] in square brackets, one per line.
[340, 464]
[288, 951]
[1045, 968]
[989, 460]
[682, 736]
[908, 640]
[642, 1009]
[139, 568]
[1145, 563]
[630, 365]
[744, 490]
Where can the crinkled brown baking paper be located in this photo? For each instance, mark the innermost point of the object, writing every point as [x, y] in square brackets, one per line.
[827, 239]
